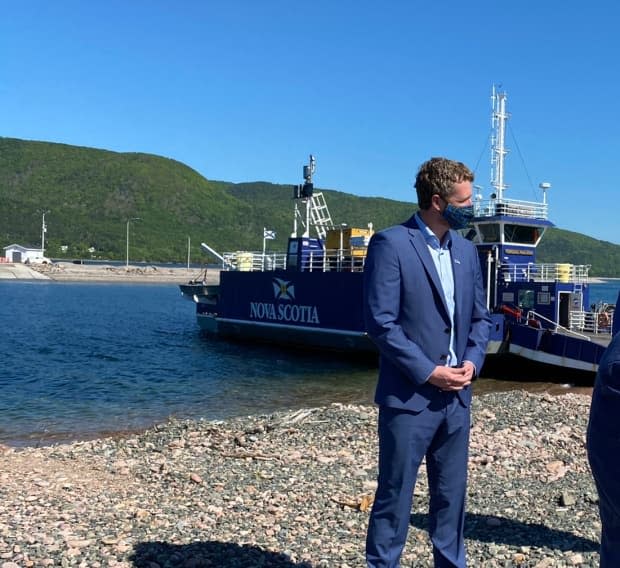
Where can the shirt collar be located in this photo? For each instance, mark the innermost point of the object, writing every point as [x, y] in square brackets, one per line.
[430, 237]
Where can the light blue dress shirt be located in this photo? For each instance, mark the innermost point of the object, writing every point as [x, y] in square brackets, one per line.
[442, 258]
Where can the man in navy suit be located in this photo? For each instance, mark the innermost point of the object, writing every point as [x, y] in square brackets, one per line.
[603, 443]
[424, 307]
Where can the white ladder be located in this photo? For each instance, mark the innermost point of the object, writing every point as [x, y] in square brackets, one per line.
[321, 219]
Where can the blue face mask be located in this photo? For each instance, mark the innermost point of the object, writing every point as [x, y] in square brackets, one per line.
[458, 217]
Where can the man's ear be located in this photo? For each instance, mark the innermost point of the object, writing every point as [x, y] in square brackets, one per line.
[436, 202]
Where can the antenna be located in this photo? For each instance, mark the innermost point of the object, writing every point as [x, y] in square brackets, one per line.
[545, 185]
[309, 170]
[498, 150]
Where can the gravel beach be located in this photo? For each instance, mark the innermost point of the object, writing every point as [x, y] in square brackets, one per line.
[293, 490]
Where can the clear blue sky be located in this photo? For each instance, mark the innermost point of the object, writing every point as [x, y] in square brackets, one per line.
[245, 90]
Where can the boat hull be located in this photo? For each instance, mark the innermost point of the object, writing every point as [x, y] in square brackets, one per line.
[283, 334]
[323, 310]
[312, 309]
[554, 348]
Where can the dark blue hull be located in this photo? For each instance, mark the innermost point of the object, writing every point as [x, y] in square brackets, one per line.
[557, 349]
[323, 310]
[311, 309]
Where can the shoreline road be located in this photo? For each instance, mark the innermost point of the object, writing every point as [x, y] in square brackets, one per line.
[69, 272]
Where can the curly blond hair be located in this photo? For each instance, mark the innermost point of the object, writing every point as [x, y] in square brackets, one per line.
[438, 176]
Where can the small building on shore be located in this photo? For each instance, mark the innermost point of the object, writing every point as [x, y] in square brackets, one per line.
[26, 255]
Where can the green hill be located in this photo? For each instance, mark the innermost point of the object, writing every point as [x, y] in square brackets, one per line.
[90, 194]
[566, 246]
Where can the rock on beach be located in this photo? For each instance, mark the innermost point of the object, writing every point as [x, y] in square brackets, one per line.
[293, 489]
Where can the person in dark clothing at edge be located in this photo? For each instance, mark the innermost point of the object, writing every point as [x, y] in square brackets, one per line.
[603, 444]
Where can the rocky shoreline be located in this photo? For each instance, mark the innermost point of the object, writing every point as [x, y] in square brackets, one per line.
[293, 490]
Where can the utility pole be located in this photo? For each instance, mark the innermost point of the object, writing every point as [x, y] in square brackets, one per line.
[43, 231]
[129, 221]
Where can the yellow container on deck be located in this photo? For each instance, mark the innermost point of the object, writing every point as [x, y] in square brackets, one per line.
[563, 272]
[349, 238]
[245, 261]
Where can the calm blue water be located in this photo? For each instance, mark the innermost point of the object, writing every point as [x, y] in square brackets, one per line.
[81, 359]
[606, 291]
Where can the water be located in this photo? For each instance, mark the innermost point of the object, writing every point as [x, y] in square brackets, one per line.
[81, 359]
[606, 291]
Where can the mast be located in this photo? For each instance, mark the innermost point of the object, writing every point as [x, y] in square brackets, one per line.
[307, 190]
[498, 148]
[507, 231]
[304, 193]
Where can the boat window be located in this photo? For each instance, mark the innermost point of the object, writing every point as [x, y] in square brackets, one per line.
[489, 232]
[544, 298]
[508, 297]
[520, 234]
[526, 299]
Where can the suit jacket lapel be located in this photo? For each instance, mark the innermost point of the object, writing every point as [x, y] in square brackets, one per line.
[456, 255]
[420, 246]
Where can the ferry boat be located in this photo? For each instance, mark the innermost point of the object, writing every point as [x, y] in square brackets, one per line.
[540, 311]
[311, 294]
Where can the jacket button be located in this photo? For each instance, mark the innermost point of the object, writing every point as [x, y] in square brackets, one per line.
[447, 330]
[443, 356]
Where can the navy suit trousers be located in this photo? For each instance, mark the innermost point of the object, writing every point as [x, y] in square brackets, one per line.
[440, 433]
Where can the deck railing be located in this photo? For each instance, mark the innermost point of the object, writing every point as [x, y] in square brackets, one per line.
[510, 207]
[249, 261]
[334, 260]
[330, 260]
[533, 316]
[591, 322]
[546, 272]
[345, 260]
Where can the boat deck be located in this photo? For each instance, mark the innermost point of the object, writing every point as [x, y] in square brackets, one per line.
[602, 339]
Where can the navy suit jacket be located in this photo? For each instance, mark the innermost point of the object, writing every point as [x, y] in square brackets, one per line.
[407, 317]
